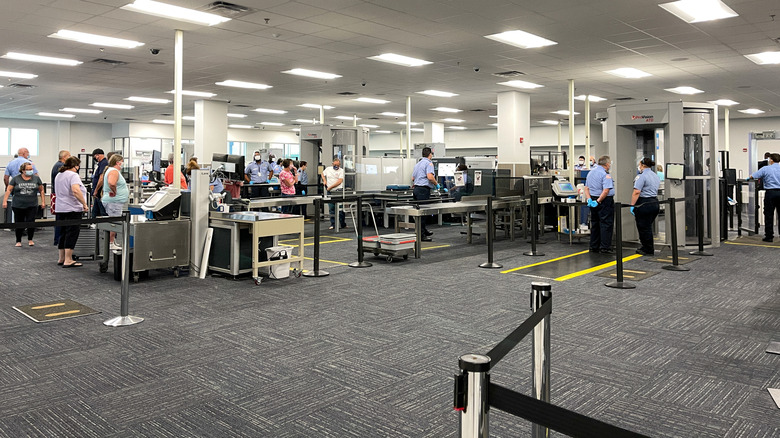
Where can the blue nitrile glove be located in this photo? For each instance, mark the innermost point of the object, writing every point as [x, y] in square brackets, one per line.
[251, 182]
[592, 203]
[632, 210]
[438, 186]
[445, 190]
[303, 192]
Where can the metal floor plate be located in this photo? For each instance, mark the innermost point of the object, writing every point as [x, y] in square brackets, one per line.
[558, 268]
[773, 347]
[775, 393]
[628, 274]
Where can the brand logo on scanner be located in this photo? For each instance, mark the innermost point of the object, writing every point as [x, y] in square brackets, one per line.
[645, 118]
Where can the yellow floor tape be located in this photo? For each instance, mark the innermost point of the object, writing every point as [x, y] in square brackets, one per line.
[544, 262]
[328, 261]
[751, 244]
[595, 268]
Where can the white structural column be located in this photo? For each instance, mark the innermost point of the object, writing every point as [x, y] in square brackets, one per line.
[408, 126]
[211, 127]
[63, 137]
[178, 69]
[726, 129]
[514, 127]
[434, 132]
[570, 163]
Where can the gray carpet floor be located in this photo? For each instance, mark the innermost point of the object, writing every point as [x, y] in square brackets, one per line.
[371, 352]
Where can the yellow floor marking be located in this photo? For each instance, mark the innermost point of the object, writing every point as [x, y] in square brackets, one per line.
[328, 261]
[595, 268]
[47, 306]
[69, 312]
[627, 276]
[434, 247]
[634, 272]
[752, 244]
[541, 263]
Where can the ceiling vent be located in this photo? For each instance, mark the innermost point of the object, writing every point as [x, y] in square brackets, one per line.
[623, 99]
[229, 10]
[23, 86]
[347, 93]
[129, 119]
[241, 105]
[373, 118]
[509, 74]
[166, 114]
[478, 110]
[111, 62]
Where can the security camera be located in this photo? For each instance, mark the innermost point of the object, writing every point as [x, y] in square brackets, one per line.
[154, 51]
[476, 68]
[646, 99]
[601, 116]
[363, 83]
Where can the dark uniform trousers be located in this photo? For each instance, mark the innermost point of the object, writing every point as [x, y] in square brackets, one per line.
[602, 220]
[422, 193]
[645, 212]
[771, 203]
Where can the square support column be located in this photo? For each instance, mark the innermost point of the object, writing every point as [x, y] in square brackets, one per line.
[514, 127]
[434, 132]
[210, 129]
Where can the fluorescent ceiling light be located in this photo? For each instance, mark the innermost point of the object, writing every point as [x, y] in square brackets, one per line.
[390, 114]
[13, 74]
[417, 130]
[751, 111]
[522, 39]
[564, 112]
[453, 120]
[369, 126]
[147, 99]
[383, 132]
[311, 73]
[112, 105]
[163, 122]
[493, 124]
[460, 128]
[629, 73]
[81, 110]
[346, 118]
[296, 129]
[44, 59]
[437, 93]
[684, 90]
[371, 100]
[521, 84]
[494, 117]
[411, 123]
[236, 116]
[179, 13]
[241, 126]
[723, 102]
[304, 121]
[550, 122]
[270, 111]
[590, 98]
[315, 106]
[765, 58]
[272, 123]
[393, 58]
[446, 110]
[98, 40]
[63, 115]
[194, 93]
[242, 84]
[696, 11]
[190, 118]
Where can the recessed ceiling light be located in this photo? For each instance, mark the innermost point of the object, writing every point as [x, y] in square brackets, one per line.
[696, 11]
[590, 98]
[241, 126]
[163, 121]
[147, 99]
[493, 124]
[311, 73]
[315, 106]
[521, 84]
[453, 120]
[190, 118]
[765, 58]
[417, 130]
[550, 122]
[304, 121]
[564, 112]
[628, 72]
[494, 117]
[383, 132]
[460, 128]
[270, 111]
[296, 129]
[43, 59]
[13, 74]
[194, 93]
[411, 123]
[371, 100]
[346, 118]
[236, 116]
[81, 110]
[390, 114]
[242, 84]
[369, 126]
[98, 40]
[752, 111]
[446, 110]
[437, 93]
[684, 90]
[272, 123]
[519, 38]
[393, 58]
[179, 13]
[724, 102]
[63, 115]
[112, 105]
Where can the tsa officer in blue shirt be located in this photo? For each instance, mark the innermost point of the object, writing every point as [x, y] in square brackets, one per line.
[644, 204]
[770, 175]
[258, 172]
[424, 180]
[600, 192]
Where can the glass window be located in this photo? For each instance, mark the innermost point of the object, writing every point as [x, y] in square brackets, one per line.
[236, 148]
[292, 150]
[24, 138]
[5, 139]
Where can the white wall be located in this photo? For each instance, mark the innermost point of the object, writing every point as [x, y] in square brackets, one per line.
[739, 130]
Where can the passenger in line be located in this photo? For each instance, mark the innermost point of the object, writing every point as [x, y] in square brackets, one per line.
[300, 187]
[424, 180]
[600, 192]
[101, 163]
[55, 170]
[12, 169]
[71, 203]
[584, 210]
[169, 175]
[115, 194]
[287, 180]
[333, 180]
[644, 204]
[770, 175]
[660, 173]
[25, 188]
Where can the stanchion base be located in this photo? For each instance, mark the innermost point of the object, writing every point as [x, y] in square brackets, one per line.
[121, 321]
[316, 274]
[620, 285]
[363, 264]
[701, 253]
[675, 268]
[533, 253]
[491, 265]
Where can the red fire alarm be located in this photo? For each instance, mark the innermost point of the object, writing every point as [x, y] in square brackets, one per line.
[744, 149]
[521, 139]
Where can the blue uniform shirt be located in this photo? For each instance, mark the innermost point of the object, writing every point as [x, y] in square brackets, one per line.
[421, 171]
[13, 167]
[258, 172]
[218, 186]
[598, 180]
[647, 183]
[770, 175]
[303, 177]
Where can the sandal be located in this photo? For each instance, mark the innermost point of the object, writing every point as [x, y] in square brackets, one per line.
[30, 243]
[18, 244]
[60, 263]
[73, 265]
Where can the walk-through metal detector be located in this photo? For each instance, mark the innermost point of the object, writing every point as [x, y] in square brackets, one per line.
[673, 132]
[320, 143]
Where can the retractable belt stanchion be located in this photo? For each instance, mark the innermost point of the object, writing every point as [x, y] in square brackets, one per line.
[700, 226]
[316, 272]
[124, 318]
[474, 416]
[360, 263]
[675, 266]
[491, 234]
[540, 355]
[534, 224]
[619, 283]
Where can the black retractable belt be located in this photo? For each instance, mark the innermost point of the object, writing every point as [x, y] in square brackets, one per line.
[316, 272]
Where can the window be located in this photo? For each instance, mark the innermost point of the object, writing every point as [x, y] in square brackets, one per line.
[5, 141]
[24, 138]
[236, 148]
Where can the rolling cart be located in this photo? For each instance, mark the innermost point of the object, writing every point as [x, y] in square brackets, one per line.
[391, 246]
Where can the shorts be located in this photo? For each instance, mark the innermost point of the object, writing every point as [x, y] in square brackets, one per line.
[113, 209]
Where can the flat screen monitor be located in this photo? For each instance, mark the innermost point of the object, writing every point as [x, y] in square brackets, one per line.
[219, 157]
[238, 161]
[675, 171]
[223, 166]
[566, 186]
[447, 169]
[156, 158]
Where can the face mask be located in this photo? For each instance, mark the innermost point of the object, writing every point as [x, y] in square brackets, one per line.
[257, 158]
[582, 162]
[28, 172]
[335, 167]
[592, 163]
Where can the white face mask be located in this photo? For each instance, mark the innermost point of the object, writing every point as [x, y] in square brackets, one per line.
[582, 162]
[257, 157]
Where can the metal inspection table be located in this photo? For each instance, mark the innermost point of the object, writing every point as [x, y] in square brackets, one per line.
[280, 201]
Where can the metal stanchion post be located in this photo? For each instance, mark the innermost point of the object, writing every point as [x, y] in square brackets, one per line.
[700, 226]
[360, 263]
[675, 266]
[619, 283]
[124, 317]
[316, 272]
[534, 224]
[474, 417]
[491, 234]
[540, 355]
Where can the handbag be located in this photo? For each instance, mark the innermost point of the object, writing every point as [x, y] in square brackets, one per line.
[53, 199]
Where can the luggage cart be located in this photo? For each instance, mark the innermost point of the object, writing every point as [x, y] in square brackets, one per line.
[391, 246]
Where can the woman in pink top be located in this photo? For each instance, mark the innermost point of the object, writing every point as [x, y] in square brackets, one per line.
[287, 179]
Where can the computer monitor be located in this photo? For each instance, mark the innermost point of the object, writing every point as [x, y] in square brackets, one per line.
[223, 166]
[156, 158]
[675, 171]
[447, 169]
[238, 161]
[219, 157]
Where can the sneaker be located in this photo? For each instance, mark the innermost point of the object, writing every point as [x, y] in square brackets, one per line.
[768, 239]
[607, 251]
[640, 251]
[428, 233]
[426, 239]
[595, 250]
[331, 227]
[115, 246]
